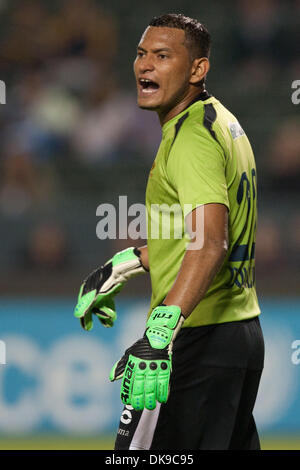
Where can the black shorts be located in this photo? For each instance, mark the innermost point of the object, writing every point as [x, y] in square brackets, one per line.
[214, 384]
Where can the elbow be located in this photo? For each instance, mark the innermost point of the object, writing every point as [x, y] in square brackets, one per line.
[224, 251]
[218, 249]
[214, 248]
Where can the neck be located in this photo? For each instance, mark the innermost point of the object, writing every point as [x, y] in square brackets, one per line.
[167, 115]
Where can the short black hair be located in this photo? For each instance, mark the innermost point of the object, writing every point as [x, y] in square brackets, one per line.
[197, 36]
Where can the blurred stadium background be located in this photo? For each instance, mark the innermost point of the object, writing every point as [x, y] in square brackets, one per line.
[71, 139]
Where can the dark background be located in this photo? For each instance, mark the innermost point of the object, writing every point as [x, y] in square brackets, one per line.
[72, 136]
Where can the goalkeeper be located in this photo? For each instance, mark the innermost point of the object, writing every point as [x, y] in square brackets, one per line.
[191, 381]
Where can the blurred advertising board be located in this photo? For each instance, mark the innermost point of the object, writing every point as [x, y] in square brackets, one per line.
[54, 375]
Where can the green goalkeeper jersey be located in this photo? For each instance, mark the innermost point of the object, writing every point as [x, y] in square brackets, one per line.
[204, 157]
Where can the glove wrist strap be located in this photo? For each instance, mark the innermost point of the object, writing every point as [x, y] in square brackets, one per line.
[127, 264]
[163, 326]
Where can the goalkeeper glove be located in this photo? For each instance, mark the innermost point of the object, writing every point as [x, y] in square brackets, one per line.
[96, 295]
[146, 366]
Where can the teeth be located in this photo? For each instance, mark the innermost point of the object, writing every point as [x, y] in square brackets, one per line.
[148, 86]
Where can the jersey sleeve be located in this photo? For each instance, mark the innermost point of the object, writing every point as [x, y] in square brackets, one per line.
[196, 168]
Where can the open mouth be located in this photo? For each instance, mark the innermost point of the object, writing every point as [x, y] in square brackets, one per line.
[148, 86]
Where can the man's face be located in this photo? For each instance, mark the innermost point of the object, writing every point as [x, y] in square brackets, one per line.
[162, 69]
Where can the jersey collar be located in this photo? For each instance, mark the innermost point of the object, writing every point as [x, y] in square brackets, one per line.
[203, 96]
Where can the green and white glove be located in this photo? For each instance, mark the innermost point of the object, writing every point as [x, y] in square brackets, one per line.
[96, 295]
[146, 366]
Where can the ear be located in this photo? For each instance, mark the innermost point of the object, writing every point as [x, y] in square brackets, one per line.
[200, 68]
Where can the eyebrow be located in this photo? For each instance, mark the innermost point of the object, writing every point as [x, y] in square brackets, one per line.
[161, 49]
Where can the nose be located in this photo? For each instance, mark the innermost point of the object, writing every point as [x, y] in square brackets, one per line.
[145, 64]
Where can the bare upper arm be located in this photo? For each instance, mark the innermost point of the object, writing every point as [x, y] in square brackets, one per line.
[207, 226]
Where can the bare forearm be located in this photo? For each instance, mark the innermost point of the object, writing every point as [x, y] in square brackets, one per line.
[144, 256]
[197, 271]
